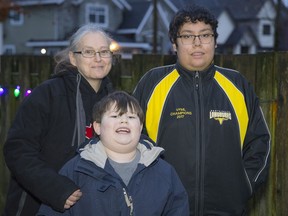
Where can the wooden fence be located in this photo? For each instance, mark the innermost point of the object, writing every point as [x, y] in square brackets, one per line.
[268, 72]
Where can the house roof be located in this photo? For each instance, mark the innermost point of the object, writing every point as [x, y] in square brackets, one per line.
[38, 2]
[238, 34]
[237, 8]
[133, 18]
[249, 9]
[122, 4]
[213, 5]
[119, 3]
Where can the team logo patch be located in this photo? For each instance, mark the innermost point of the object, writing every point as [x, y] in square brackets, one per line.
[220, 115]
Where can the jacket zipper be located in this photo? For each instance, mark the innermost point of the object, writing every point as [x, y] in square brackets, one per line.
[199, 147]
[128, 200]
[197, 140]
[197, 80]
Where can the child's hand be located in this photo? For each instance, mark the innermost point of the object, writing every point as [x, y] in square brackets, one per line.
[72, 199]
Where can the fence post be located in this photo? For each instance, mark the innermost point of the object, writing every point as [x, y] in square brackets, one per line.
[281, 132]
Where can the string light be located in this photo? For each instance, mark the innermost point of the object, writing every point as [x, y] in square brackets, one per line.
[4, 90]
[17, 91]
[27, 92]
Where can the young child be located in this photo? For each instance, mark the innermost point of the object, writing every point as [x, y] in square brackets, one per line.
[121, 174]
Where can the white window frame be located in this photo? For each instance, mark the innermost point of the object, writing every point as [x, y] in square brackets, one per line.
[14, 21]
[91, 9]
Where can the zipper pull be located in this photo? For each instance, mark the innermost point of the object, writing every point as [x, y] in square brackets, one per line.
[128, 200]
[197, 80]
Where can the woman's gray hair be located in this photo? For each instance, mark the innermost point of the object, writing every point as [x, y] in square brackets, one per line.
[62, 57]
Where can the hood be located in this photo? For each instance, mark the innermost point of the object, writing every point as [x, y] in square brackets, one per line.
[69, 74]
[95, 152]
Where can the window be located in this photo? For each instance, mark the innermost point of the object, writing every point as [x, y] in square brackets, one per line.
[96, 13]
[266, 29]
[244, 49]
[16, 17]
[9, 49]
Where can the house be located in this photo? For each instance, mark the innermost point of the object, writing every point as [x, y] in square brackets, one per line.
[244, 26]
[44, 26]
[281, 43]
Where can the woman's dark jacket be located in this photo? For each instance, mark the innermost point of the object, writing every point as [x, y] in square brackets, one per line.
[42, 138]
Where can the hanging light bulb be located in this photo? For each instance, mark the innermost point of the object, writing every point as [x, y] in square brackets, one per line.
[17, 91]
[28, 92]
[2, 91]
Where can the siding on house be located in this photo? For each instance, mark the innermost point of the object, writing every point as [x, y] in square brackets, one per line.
[247, 25]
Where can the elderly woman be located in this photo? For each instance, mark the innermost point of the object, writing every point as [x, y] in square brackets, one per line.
[53, 121]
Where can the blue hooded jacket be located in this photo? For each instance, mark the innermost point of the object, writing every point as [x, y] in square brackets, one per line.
[154, 188]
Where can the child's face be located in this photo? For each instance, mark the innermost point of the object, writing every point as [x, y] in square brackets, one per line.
[119, 134]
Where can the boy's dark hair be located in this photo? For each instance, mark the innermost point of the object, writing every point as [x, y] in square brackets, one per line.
[122, 100]
[191, 13]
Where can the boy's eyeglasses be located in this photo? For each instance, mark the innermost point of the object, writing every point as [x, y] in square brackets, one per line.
[92, 53]
[188, 39]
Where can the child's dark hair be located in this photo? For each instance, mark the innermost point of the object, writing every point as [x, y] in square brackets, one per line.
[122, 100]
[191, 13]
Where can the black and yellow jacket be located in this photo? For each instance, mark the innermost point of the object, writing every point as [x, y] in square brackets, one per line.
[213, 132]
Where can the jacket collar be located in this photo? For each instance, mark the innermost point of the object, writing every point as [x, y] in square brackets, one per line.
[70, 73]
[208, 73]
